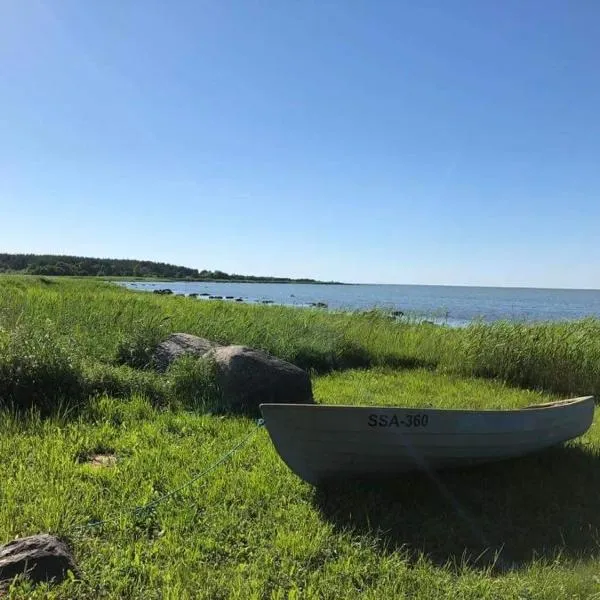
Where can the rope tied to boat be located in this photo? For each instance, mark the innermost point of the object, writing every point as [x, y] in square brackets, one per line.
[143, 508]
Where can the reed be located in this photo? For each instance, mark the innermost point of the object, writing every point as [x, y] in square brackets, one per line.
[62, 337]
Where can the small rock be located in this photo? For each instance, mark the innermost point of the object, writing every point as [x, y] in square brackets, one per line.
[163, 291]
[239, 299]
[248, 377]
[42, 558]
[178, 344]
[228, 297]
[205, 294]
[193, 295]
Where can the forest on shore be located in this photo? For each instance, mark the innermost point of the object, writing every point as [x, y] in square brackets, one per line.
[81, 266]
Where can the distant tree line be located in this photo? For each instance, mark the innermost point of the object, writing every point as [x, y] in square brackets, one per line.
[221, 276]
[51, 264]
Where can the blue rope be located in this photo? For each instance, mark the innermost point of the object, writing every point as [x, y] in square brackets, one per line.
[145, 507]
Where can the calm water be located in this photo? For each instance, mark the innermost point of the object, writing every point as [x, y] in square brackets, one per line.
[453, 305]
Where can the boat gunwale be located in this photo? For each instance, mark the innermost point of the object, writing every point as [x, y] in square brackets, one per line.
[558, 404]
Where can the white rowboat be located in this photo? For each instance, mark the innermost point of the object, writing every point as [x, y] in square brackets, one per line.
[321, 442]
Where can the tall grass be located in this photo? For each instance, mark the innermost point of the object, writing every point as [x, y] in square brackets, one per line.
[37, 369]
[76, 337]
[109, 322]
[558, 357]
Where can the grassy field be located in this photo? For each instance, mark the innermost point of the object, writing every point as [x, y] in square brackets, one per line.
[73, 386]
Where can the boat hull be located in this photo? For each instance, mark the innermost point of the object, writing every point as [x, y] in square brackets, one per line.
[323, 442]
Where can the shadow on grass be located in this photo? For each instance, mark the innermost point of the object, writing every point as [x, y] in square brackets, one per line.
[322, 363]
[503, 515]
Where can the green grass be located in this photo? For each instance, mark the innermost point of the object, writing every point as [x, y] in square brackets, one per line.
[562, 357]
[419, 388]
[77, 351]
[94, 323]
[523, 529]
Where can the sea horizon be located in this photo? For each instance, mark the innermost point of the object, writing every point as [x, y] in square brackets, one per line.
[442, 304]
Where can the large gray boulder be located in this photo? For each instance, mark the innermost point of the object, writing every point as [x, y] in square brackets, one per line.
[41, 558]
[245, 377]
[178, 344]
[248, 377]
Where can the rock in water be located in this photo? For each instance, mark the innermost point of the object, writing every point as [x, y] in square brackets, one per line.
[248, 377]
[40, 557]
[178, 344]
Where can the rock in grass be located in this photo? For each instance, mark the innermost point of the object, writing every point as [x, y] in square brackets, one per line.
[245, 377]
[41, 558]
[179, 344]
[248, 377]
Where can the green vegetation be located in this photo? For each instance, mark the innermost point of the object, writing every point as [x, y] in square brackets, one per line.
[420, 388]
[51, 264]
[59, 265]
[78, 351]
[90, 328]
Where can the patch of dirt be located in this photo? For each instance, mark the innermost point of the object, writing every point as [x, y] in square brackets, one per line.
[99, 461]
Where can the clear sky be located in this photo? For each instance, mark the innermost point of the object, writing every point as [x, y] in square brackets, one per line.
[430, 141]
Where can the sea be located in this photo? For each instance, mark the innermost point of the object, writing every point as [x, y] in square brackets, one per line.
[451, 305]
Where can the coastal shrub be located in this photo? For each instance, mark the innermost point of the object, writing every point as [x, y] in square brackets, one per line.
[38, 369]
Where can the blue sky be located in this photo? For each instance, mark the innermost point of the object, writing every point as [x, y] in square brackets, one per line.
[437, 142]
